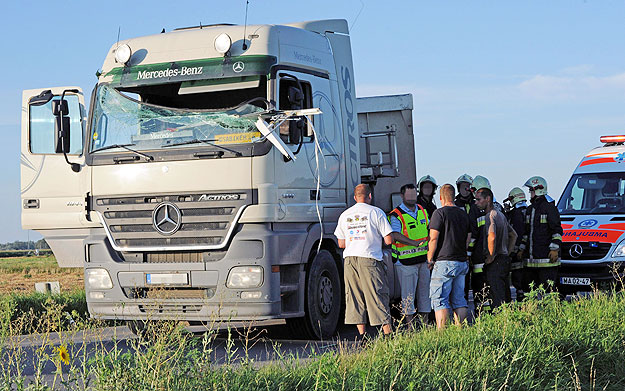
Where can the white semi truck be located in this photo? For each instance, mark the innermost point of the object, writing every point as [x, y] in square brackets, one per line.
[206, 178]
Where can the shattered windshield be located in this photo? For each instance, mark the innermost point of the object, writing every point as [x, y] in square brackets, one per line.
[121, 120]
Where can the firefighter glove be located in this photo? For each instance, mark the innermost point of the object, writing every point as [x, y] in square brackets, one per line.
[553, 256]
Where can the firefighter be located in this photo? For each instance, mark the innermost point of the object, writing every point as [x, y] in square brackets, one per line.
[475, 250]
[427, 188]
[540, 247]
[465, 198]
[516, 217]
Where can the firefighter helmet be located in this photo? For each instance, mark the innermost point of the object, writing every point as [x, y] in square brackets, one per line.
[464, 178]
[427, 178]
[516, 195]
[480, 182]
[538, 184]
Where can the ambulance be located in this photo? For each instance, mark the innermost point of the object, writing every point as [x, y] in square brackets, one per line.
[592, 209]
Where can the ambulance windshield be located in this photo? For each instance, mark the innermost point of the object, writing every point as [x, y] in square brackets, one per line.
[601, 193]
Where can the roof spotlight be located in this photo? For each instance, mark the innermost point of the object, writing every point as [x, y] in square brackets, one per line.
[223, 43]
[122, 54]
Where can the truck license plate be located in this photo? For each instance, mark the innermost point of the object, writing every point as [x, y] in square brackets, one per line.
[166, 279]
[575, 280]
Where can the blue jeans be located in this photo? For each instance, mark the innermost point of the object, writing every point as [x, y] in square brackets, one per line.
[447, 285]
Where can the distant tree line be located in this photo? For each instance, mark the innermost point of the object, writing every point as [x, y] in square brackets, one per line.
[20, 245]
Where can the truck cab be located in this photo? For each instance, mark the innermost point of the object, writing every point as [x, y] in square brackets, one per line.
[592, 209]
[205, 179]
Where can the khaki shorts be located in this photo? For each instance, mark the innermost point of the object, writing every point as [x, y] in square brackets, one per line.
[366, 292]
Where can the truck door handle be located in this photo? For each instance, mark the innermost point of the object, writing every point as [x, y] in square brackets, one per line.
[31, 204]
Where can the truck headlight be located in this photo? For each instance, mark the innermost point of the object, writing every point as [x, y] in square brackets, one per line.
[99, 279]
[620, 250]
[245, 277]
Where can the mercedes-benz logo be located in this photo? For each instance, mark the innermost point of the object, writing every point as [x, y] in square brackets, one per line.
[238, 66]
[576, 250]
[166, 218]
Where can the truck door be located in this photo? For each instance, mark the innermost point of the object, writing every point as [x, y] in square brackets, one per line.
[299, 178]
[53, 195]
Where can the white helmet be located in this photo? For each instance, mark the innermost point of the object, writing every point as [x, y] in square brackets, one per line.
[480, 182]
[538, 184]
[427, 178]
[516, 195]
[464, 178]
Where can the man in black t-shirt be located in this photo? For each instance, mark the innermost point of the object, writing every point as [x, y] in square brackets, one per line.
[447, 256]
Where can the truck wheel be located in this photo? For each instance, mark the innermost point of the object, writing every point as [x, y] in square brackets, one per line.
[322, 299]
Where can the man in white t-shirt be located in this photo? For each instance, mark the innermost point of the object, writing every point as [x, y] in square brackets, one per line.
[360, 231]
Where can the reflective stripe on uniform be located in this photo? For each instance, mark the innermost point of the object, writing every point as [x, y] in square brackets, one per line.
[478, 268]
[516, 265]
[556, 237]
[481, 221]
[544, 262]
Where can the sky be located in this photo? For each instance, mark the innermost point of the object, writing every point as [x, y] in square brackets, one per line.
[507, 90]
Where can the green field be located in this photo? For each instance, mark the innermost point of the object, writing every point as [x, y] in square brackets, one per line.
[22, 253]
[45, 263]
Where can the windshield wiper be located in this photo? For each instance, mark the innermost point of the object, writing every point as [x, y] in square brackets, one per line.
[208, 142]
[125, 146]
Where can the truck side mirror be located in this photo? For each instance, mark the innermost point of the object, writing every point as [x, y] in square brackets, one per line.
[41, 99]
[60, 109]
[296, 127]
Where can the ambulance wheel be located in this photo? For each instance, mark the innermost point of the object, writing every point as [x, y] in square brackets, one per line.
[322, 299]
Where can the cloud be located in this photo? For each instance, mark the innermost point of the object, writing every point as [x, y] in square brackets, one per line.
[572, 86]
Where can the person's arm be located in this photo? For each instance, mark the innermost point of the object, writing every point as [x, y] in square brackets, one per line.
[491, 239]
[397, 237]
[432, 247]
[385, 228]
[492, 236]
[338, 232]
[512, 239]
[388, 239]
[555, 228]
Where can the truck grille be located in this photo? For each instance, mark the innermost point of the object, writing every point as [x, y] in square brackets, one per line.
[171, 221]
[594, 252]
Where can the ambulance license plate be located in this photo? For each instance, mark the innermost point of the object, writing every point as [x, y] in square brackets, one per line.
[167, 279]
[575, 280]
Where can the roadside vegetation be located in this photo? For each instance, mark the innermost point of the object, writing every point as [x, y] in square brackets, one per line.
[540, 344]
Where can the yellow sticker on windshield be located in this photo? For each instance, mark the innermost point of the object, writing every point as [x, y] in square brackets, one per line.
[236, 138]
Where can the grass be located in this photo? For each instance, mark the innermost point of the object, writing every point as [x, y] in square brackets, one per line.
[540, 344]
[44, 263]
[19, 253]
[41, 313]
[21, 274]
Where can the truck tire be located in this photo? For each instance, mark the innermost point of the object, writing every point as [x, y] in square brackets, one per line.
[322, 299]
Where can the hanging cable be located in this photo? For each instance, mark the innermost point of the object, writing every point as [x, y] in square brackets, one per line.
[317, 194]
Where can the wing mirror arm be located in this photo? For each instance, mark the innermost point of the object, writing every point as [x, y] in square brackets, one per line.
[60, 109]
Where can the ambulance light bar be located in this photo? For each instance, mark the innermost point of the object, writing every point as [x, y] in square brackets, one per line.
[612, 139]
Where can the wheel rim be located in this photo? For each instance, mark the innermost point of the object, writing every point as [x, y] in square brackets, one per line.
[326, 294]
